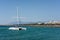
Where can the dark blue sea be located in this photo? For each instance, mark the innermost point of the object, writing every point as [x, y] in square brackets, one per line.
[32, 33]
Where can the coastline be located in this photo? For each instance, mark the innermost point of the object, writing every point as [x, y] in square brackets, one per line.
[35, 25]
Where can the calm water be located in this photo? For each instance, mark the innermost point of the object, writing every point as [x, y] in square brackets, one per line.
[32, 33]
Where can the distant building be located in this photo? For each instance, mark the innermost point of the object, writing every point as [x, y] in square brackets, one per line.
[38, 23]
[53, 22]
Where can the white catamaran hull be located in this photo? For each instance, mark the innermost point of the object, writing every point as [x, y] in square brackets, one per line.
[17, 28]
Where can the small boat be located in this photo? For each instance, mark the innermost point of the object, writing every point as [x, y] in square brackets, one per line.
[17, 28]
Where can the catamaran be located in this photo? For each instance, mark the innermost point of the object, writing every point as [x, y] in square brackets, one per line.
[16, 27]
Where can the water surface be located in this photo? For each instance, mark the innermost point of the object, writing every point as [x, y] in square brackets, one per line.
[32, 33]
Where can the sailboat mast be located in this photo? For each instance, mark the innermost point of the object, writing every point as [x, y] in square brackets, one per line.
[17, 18]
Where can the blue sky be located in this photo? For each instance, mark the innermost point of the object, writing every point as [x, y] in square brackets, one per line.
[29, 10]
